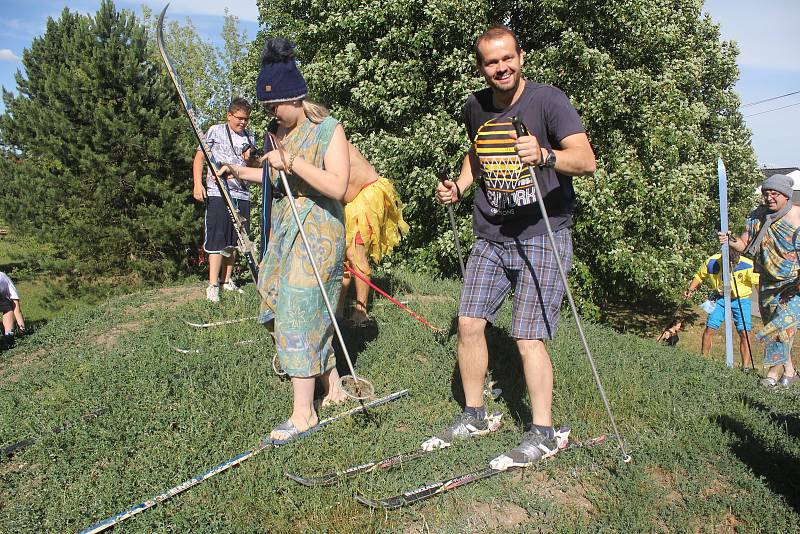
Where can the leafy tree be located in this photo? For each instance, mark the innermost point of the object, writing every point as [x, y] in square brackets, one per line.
[208, 73]
[197, 61]
[652, 81]
[234, 52]
[98, 153]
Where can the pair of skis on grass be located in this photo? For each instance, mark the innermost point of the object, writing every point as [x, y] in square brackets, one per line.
[426, 491]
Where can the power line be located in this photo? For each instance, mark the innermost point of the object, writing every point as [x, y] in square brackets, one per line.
[771, 110]
[769, 99]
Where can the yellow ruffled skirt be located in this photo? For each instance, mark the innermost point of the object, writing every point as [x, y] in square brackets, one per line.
[376, 215]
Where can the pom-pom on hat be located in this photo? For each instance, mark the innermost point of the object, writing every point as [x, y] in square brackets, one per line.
[279, 79]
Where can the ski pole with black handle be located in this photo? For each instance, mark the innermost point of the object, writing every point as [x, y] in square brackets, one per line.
[442, 178]
[522, 131]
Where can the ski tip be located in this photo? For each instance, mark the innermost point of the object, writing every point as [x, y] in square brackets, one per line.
[184, 351]
[372, 503]
[299, 479]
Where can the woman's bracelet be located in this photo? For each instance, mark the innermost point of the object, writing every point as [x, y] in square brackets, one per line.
[459, 195]
[291, 163]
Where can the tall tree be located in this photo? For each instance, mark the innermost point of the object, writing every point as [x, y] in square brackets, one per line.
[198, 62]
[234, 53]
[98, 153]
[652, 81]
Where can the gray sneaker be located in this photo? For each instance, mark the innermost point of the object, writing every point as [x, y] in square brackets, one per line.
[787, 381]
[464, 426]
[534, 447]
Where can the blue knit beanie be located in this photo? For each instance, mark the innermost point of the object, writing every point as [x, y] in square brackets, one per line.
[279, 79]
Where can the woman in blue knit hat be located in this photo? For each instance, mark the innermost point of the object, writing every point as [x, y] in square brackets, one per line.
[312, 150]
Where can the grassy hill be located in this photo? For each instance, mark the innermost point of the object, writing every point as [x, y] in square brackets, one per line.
[712, 452]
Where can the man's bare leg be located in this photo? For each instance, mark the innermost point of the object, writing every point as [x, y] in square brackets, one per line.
[227, 266]
[705, 346]
[346, 277]
[473, 358]
[539, 379]
[744, 349]
[357, 255]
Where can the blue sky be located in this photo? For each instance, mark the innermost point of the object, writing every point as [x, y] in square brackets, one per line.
[766, 33]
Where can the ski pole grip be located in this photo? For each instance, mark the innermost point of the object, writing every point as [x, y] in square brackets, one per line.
[442, 175]
[519, 126]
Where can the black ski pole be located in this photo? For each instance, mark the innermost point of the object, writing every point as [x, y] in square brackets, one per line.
[442, 178]
[523, 131]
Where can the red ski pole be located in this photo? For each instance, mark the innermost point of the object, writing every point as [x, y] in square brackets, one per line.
[385, 294]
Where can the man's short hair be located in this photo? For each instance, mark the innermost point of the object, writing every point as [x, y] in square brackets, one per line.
[495, 31]
[239, 104]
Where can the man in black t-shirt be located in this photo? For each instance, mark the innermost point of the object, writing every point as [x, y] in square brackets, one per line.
[512, 251]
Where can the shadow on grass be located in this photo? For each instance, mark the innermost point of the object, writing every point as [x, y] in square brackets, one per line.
[505, 368]
[789, 422]
[356, 338]
[647, 318]
[779, 470]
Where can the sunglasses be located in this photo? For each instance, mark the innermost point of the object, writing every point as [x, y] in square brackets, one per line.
[271, 108]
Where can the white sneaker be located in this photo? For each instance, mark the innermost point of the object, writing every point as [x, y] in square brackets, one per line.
[230, 285]
[212, 293]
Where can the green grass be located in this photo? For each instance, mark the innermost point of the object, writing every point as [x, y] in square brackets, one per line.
[712, 452]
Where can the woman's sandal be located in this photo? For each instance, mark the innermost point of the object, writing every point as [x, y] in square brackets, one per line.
[290, 430]
[787, 381]
[768, 382]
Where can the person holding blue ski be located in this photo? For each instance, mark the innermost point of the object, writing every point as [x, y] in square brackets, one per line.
[745, 279]
[770, 239]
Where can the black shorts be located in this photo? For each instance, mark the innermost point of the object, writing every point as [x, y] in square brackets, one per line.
[220, 233]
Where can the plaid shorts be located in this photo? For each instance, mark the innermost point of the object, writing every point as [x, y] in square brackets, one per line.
[529, 268]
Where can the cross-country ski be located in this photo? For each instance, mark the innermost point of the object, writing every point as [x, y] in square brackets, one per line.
[196, 324]
[224, 466]
[389, 462]
[428, 491]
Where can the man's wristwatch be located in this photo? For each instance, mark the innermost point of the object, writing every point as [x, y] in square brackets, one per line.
[550, 160]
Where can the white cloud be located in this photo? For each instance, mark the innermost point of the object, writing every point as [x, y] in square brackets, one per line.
[8, 55]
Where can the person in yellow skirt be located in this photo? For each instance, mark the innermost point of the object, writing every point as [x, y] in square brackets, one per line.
[374, 224]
